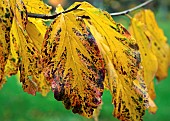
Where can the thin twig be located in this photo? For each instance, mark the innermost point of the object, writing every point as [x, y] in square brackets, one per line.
[43, 16]
[130, 10]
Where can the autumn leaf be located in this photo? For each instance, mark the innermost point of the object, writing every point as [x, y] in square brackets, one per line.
[59, 9]
[36, 34]
[159, 45]
[37, 6]
[36, 30]
[73, 64]
[27, 50]
[20, 18]
[26, 37]
[20, 12]
[149, 60]
[82, 52]
[5, 26]
[122, 59]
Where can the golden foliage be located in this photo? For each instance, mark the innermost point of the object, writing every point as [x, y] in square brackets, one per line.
[158, 41]
[153, 48]
[120, 52]
[82, 52]
[140, 32]
[73, 64]
[26, 37]
[5, 26]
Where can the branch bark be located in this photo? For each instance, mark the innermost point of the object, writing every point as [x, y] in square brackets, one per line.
[130, 10]
[43, 16]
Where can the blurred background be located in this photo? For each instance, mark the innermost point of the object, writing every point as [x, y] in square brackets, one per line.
[17, 105]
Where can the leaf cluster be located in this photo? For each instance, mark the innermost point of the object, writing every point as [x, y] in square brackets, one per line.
[81, 53]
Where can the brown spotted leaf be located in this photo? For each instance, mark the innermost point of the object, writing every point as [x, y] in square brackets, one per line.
[73, 64]
[20, 12]
[123, 62]
[36, 30]
[26, 39]
[26, 47]
[5, 26]
[159, 45]
[149, 61]
[22, 55]
[20, 17]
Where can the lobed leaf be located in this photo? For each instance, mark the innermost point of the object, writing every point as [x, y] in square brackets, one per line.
[27, 54]
[73, 64]
[159, 45]
[149, 61]
[123, 62]
[26, 38]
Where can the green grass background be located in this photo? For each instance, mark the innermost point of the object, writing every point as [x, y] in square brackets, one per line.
[16, 105]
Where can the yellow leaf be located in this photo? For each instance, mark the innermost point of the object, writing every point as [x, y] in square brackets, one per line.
[26, 37]
[59, 9]
[149, 61]
[19, 40]
[123, 63]
[26, 46]
[20, 12]
[5, 26]
[20, 18]
[36, 30]
[73, 64]
[152, 107]
[40, 25]
[35, 34]
[140, 33]
[159, 45]
[37, 6]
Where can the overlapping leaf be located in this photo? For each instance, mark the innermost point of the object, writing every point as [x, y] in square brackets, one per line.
[73, 64]
[20, 16]
[149, 60]
[77, 46]
[5, 26]
[25, 44]
[38, 7]
[20, 12]
[121, 55]
[159, 45]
